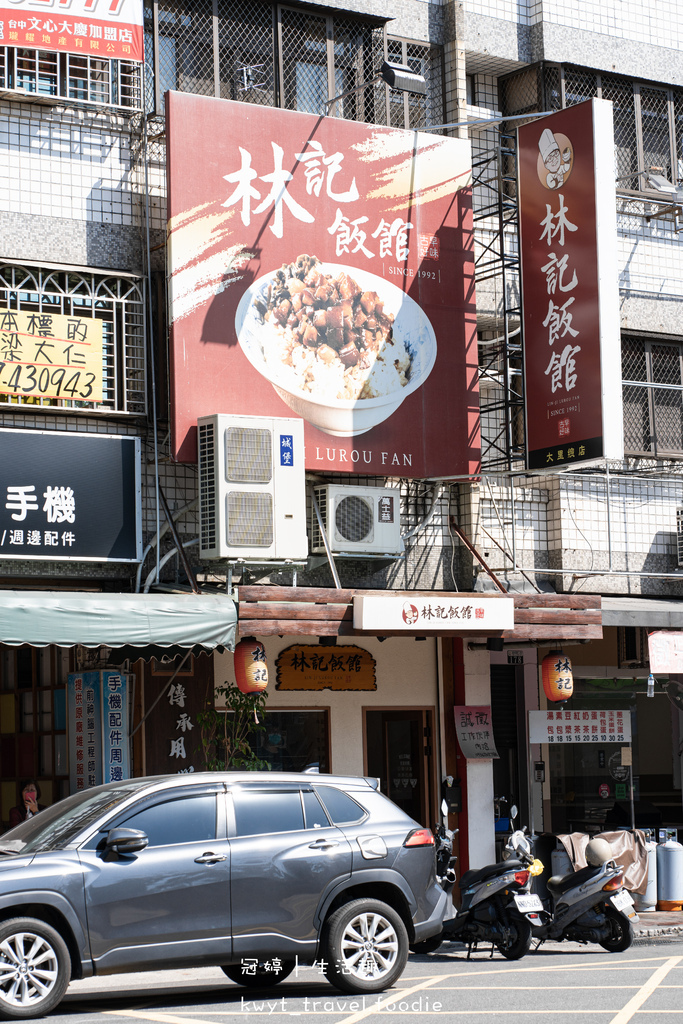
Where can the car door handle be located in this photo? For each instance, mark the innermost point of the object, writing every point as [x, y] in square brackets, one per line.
[209, 858]
[323, 844]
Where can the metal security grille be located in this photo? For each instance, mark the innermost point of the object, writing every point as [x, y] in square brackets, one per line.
[353, 518]
[652, 373]
[249, 521]
[117, 302]
[206, 447]
[407, 110]
[648, 120]
[277, 55]
[70, 76]
[248, 455]
[246, 52]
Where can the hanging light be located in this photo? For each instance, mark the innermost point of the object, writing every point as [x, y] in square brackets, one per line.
[556, 673]
[251, 667]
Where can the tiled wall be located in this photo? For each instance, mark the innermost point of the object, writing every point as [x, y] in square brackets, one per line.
[656, 23]
[65, 163]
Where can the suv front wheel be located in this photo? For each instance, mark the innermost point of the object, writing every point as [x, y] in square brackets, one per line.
[364, 946]
[35, 968]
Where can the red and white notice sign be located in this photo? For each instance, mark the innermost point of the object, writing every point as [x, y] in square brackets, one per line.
[96, 28]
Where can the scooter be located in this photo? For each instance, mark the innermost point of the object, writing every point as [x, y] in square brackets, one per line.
[495, 905]
[589, 905]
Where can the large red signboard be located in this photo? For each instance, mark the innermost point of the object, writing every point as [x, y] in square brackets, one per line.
[569, 282]
[95, 28]
[323, 268]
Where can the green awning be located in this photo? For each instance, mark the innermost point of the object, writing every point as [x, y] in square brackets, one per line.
[48, 617]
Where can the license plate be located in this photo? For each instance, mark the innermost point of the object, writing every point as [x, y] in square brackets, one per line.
[622, 900]
[528, 902]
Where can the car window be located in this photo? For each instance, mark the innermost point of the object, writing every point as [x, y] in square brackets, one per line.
[315, 815]
[190, 819]
[259, 812]
[342, 809]
[57, 826]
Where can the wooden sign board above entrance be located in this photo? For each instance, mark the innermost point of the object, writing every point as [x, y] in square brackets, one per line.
[666, 652]
[311, 667]
[461, 613]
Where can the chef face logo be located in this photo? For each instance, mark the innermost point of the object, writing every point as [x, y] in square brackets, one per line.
[410, 613]
[555, 159]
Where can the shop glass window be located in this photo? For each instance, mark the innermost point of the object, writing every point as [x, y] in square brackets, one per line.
[116, 301]
[652, 376]
[191, 819]
[294, 741]
[262, 813]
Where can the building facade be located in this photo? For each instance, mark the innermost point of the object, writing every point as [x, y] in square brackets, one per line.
[591, 555]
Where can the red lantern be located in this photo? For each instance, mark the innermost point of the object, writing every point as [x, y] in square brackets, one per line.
[251, 667]
[556, 672]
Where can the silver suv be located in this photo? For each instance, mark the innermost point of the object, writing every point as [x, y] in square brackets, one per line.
[251, 871]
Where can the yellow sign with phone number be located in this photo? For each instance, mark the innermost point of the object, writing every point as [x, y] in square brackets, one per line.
[50, 355]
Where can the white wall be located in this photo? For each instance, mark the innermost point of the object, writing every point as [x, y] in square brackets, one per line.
[406, 677]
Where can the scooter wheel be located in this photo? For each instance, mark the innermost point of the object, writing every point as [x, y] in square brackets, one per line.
[428, 945]
[621, 929]
[519, 939]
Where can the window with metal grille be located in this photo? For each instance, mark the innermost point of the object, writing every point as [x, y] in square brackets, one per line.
[70, 76]
[118, 302]
[652, 375]
[276, 55]
[648, 118]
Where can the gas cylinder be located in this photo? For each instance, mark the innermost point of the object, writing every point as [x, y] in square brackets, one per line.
[669, 876]
[648, 900]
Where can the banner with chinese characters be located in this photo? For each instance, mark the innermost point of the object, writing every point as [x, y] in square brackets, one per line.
[323, 268]
[65, 495]
[412, 613]
[49, 355]
[311, 667]
[115, 731]
[84, 718]
[474, 729]
[568, 240]
[94, 28]
[579, 726]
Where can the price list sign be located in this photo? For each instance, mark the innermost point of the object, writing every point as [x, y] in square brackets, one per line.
[579, 727]
[50, 355]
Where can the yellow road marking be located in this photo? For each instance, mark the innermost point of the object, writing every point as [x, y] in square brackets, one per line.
[636, 1001]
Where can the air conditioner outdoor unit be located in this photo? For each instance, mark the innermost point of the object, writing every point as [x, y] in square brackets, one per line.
[357, 520]
[679, 536]
[252, 491]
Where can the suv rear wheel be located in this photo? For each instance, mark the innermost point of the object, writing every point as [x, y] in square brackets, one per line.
[35, 968]
[365, 946]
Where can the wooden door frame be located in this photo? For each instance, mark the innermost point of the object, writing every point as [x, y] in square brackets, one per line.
[430, 772]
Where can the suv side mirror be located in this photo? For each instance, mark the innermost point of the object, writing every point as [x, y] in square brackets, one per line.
[125, 840]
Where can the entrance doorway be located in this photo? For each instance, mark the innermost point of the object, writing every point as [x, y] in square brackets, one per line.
[399, 752]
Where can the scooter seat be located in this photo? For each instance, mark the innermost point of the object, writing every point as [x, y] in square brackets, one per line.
[476, 875]
[559, 884]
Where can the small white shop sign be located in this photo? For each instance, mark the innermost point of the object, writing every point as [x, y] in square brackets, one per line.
[474, 730]
[579, 727]
[463, 613]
